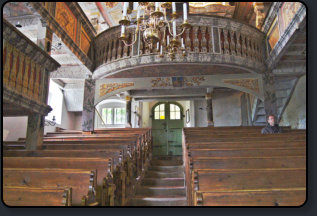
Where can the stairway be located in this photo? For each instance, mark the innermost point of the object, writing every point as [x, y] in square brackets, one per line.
[162, 185]
[283, 90]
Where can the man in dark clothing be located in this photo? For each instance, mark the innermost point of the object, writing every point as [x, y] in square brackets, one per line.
[271, 127]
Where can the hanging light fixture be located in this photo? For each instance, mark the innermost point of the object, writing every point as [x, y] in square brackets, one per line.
[155, 26]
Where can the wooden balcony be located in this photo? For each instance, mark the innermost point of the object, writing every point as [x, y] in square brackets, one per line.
[211, 41]
[26, 69]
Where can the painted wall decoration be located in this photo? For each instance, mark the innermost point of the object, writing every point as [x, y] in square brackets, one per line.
[84, 41]
[287, 13]
[273, 35]
[66, 19]
[161, 82]
[252, 84]
[194, 81]
[178, 81]
[110, 87]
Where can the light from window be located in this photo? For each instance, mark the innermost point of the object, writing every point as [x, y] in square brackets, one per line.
[175, 112]
[159, 112]
[113, 115]
[55, 101]
[107, 115]
[119, 116]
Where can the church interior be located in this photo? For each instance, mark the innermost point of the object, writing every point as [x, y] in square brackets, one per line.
[153, 103]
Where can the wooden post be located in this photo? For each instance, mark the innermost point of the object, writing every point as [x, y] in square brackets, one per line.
[270, 106]
[128, 111]
[210, 120]
[88, 106]
[35, 131]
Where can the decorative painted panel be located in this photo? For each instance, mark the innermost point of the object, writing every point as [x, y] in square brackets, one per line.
[161, 82]
[194, 81]
[273, 34]
[84, 41]
[287, 13]
[110, 87]
[252, 84]
[66, 19]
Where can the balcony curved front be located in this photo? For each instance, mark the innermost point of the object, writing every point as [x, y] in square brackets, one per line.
[214, 45]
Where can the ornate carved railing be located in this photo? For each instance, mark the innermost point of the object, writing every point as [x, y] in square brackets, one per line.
[26, 70]
[208, 35]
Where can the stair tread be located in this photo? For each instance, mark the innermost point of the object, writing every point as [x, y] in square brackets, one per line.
[162, 187]
[160, 198]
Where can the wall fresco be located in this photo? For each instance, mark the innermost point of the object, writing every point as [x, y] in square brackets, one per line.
[194, 81]
[110, 87]
[161, 82]
[252, 84]
[287, 13]
[66, 19]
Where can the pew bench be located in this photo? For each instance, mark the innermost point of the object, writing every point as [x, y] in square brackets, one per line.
[28, 196]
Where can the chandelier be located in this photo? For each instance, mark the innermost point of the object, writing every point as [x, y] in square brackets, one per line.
[158, 32]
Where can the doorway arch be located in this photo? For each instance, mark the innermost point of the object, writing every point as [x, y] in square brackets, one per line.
[167, 125]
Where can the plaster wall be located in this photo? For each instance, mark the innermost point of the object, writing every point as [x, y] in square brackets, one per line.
[67, 121]
[200, 113]
[14, 128]
[146, 120]
[295, 112]
[227, 108]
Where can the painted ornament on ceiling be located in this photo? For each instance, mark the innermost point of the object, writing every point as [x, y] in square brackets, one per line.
[110, 87]
[111, 4]
[252, 84]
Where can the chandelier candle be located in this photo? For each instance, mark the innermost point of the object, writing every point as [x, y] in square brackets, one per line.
[174, 7]
[185, 11]
[125, 9]
[155, 27]
[174, 29]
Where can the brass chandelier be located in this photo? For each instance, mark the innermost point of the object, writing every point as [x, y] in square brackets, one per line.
[154, 24]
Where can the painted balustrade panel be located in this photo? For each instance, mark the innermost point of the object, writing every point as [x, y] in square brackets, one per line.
[207, 35]
[23, 75]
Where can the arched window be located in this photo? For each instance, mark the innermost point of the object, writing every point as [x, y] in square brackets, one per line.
[175, 112]
[159, 112]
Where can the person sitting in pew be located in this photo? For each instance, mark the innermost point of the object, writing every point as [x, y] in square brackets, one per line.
[271, 127]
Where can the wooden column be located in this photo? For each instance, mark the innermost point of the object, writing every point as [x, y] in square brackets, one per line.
[210, 120]
[128, 111]
[270, 106]
[35, 131]
[88, 106]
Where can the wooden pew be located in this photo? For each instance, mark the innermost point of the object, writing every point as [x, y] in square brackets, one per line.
[82, 182]
[233, 157]
[269, 197]
[247, 152]
[28, 196]
[105, 180]
[245, 180]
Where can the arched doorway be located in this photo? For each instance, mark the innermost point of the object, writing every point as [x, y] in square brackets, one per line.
[167, 125]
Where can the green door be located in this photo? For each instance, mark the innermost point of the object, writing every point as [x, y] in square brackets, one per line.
[167, 127]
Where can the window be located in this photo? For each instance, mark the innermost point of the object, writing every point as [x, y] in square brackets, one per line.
[55, 101]
[175, 112]
[119, 115]
[107, 115]
[113, 116]
[159, 112]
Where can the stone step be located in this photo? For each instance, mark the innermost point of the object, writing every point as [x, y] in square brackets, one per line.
[156, 162]
[161, 191]
[157, 201]
[163, 182]
[160, 174]
[167, 168]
